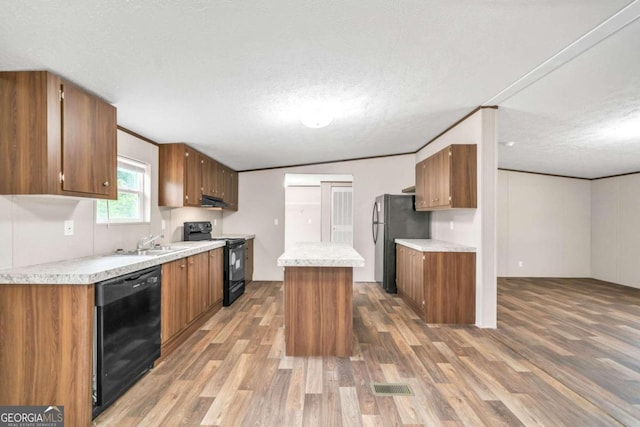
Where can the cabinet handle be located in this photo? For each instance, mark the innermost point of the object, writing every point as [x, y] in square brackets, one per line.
[105, 184]
[182, 266]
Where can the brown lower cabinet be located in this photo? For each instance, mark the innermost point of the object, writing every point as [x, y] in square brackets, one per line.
[248, 262]
[197, 285]
[191, 290]
[46, 342]
[216, 276]
[174, 303]
[46, 333]
[439, 286]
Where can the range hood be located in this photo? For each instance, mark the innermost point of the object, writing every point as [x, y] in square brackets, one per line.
[212, 202]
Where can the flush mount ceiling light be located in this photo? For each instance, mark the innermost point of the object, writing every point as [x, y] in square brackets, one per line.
[316, 117]
[628, 128]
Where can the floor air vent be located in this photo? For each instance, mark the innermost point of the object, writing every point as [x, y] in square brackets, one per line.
[386, 389]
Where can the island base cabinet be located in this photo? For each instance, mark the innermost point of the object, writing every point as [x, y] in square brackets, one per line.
[46, 348]
[318, 316]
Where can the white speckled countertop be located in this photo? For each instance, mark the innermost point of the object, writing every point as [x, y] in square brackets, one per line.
[82, 271]
[429, 245]
[321, 254]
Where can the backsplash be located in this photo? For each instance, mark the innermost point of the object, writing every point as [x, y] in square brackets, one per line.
[32, 229]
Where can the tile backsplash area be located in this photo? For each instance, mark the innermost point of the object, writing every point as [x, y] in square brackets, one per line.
[174, 219]
[32, 229]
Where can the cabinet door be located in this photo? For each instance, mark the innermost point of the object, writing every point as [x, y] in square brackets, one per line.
[233, 189]
[193, 178]
[88, 143]
[220, 174]
[442, 180]
[401, 268]
[421, 185]
[248, 262]
[415, 288]
[210, 177]
[434, 180]
[174, 298]
[450, 287]
[463, 176]
[197, 284]
[216, 275]
[43, 137]
[226, 185]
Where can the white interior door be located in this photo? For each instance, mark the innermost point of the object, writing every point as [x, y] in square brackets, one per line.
[342, 215]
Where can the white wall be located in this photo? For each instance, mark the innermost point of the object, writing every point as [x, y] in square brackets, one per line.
[6, 232]
[615, 230]
[302, 220]
[261, 200]
[545, 223]
[474, 227]
[31, 227]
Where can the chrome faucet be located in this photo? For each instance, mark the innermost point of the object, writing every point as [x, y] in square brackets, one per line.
[142, 243]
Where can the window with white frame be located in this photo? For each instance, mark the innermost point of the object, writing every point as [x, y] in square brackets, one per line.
[134, 188]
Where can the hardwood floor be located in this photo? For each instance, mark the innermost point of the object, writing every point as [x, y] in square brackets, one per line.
[566, 352]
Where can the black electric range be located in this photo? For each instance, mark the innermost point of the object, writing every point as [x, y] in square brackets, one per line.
[234, 258]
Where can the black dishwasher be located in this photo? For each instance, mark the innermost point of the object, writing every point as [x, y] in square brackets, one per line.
[127, 333]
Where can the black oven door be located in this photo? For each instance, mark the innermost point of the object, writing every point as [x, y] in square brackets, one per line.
[233, 271]
[236, 261]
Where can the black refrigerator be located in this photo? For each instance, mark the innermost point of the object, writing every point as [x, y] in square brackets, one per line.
[394, 217]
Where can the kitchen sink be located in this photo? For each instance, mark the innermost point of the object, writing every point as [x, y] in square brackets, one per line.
[156, 251]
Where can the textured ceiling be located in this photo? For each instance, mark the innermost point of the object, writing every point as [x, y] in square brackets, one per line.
[581, 120]
[230, 78]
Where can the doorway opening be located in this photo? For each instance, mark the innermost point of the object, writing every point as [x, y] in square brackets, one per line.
[318, 208]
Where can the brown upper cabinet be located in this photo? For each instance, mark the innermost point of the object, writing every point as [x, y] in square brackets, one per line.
[186, 174]
[448, 179]
[230, 187]
[211, 183]
[55, 138]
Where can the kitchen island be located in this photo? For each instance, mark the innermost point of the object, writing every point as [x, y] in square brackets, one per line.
[318, 288]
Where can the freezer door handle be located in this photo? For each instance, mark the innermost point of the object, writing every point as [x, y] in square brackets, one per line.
[374, 222]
